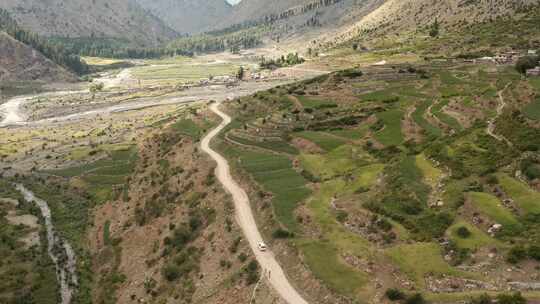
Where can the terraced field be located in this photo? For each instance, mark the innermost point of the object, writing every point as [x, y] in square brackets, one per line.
[102, 176]
[383, 211]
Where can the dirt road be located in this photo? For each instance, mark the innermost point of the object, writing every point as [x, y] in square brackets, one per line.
[244, 216]
[12, 112]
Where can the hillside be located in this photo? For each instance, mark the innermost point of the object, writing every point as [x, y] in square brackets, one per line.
[19, 62]
[188, 16]
[122, 19]
[398, 16]
[292, 23]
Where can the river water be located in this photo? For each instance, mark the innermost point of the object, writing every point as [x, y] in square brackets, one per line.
[59, 250]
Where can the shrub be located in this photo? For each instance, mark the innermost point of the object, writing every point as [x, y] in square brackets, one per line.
[281, 233]
[525, 63]
[482, 299]
[515, 298]
[516, 254]
[534, 252]
[171, 272]
[342, 216]
[242, 257]
[252, 272]
[492, 179]
[350, 73]
[463, 232]
[383, 224]
[394, 294]
[415, 299]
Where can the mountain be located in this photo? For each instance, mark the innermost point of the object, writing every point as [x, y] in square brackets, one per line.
[293, 23]
[122, 19]
[19, 62]
[188, 16]
[395, 16]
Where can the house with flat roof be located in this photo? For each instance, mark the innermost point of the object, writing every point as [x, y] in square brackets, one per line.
[533, 72]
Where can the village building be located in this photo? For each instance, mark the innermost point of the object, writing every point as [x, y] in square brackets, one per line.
[533, 72]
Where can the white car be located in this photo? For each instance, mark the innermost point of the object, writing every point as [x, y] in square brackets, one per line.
[262, 246]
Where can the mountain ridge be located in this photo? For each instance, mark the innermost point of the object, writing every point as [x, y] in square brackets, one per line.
[123, 19]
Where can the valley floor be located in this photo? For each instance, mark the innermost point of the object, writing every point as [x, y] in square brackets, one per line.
[395, 177]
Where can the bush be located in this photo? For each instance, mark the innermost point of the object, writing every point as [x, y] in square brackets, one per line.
[415, 299]
[525, 63]
[171, 272]
[242, 257]
[534, 252]
[342, 216]
[252, 272]
[515, 298]
[463, 232]
[516, 254]
[282, 234]
[394, 294]
[350, 73]
[482, 299]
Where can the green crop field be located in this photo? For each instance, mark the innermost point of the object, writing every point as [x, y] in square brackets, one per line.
[492, 207]
[421, 259]
[190, 128]
[272, 145]
[527, 199]
[430, 173]
[325, 263]
[391, 134]
[102, 175]
[475, 240]
[532, 110]
[445, 118]
[323, 140]
[183, 72]
[340, 161]
[315, 103]
[378, 96]
[275, 174]
[418, 117]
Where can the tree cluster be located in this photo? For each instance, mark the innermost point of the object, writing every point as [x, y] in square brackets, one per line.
[218, 42]
[54, 52]
[525, 63]
[283, 61]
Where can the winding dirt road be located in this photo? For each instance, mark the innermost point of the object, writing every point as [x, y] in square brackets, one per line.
[245, 218]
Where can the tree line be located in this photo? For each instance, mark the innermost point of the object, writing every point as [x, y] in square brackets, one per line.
[219, 41]
[54, 52]
[113, 48]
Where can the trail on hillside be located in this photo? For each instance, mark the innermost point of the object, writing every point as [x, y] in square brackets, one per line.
[245, 218]
[490, 130]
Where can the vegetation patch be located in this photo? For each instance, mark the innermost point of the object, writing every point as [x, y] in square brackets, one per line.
[450, 121]
[492, 207]
[323, 140]
[475, 238]
[275, 174]
[315, 103]
[391, 134]
[532, 110]
[325, 263]
[100, 177]
[527, 199]
[422, 259]
[418, 117]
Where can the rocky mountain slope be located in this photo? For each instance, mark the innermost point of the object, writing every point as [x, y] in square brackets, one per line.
[293, 23]
[189, 16]
[19, 62]
[394, 16]
[97, 18]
